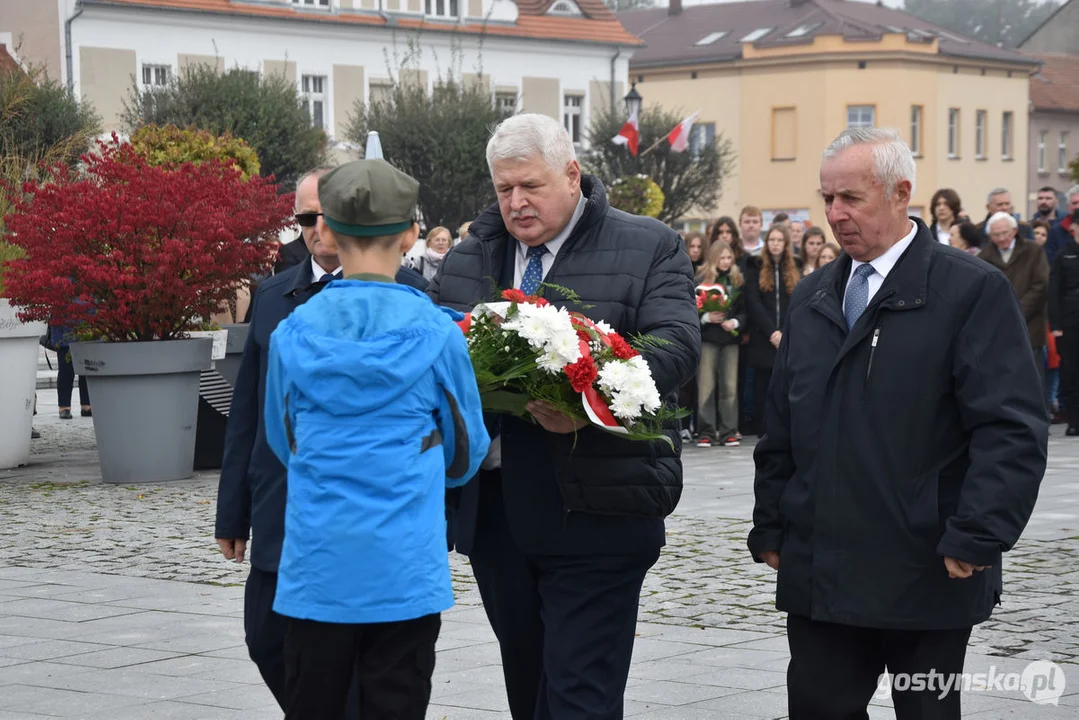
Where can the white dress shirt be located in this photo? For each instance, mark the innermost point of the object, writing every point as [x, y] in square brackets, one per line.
[884, 264]
[944, 237]
[553, 246]
[317, 272]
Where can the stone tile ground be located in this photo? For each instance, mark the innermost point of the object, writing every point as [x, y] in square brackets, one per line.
[115, 603]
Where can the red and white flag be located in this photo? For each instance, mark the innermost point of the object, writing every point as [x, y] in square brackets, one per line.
[679, 137]
[629, 135]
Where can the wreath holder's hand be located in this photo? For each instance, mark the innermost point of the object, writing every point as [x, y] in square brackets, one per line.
[554, 420]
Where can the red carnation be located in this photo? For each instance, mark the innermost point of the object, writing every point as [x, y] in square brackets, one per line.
[514, 295]
[582, 373]
[466, 323]
[622, 349]
[537, 300]
[700, 300]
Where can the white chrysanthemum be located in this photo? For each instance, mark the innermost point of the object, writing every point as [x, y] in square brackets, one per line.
[551, 363]
[651, 401]
[528, 325]
[604, 327]
[638, 385]
[625, 407]
[612, 376]
[639, 363]
[565, 346]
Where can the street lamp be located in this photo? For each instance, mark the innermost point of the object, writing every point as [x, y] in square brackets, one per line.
[633, 101]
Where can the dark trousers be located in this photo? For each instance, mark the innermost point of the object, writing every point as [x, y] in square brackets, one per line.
[265, 636]
[394, 660]
[761, 377]
[747, 393]
[565, 624]
[835, 670]
[687, 400]
[1068, 347]
[65, 379]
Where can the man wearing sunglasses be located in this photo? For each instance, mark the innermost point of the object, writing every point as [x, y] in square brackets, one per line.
[315, 251]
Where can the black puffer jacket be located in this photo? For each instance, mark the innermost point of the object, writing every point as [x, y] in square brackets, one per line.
[632, 273]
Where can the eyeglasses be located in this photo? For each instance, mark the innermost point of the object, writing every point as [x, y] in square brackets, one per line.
[307, 219]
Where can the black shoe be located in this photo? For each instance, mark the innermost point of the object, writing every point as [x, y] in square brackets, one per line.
[87, 413]
[34, 434]
[1072, 431]
[65, 414]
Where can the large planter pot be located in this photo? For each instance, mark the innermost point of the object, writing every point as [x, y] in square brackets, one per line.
[215, 400]
[229, 367]
[18, 358]
[146, 398]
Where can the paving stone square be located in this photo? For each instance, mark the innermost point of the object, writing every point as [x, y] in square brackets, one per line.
[115, 603]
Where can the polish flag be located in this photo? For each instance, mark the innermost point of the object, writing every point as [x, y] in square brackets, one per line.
[679, 137]
[629, 135]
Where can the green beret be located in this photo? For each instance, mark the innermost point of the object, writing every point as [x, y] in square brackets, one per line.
[368, 198]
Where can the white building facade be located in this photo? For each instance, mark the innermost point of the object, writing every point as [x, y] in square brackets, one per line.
[548, 57]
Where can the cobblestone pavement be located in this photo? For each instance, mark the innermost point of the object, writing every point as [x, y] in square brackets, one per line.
[704, 578]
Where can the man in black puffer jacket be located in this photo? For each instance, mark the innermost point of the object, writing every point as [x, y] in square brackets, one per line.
[562, 528]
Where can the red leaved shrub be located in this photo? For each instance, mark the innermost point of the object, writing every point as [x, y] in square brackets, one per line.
[125, 251]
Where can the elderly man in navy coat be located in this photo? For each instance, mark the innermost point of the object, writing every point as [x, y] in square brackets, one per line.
[905, 443]
[251, 493]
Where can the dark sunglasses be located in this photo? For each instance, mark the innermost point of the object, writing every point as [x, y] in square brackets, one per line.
[307, 219]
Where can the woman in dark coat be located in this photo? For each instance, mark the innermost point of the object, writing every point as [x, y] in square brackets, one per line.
[769, 284]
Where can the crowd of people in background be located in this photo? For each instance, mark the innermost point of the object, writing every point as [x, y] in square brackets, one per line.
[759, 268]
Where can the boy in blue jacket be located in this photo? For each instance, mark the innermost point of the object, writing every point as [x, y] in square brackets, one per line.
[372, 405]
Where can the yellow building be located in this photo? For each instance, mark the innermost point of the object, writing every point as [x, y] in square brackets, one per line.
[781, 78]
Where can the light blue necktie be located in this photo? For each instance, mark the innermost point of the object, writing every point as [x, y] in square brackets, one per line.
[533, 274]
[857, 296]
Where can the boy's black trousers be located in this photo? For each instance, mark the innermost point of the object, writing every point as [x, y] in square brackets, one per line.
[394, 662]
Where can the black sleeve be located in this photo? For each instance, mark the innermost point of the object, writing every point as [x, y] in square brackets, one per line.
[1002, 407]
[233, 488]
[668, 312]
[774, 460]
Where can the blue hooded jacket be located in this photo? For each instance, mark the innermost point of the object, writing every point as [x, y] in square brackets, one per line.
[372, 405]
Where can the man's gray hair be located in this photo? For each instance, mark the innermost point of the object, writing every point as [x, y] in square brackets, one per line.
[997, 217]
[1073, 191]
[317, 172]
[994, 192]
[524, 136]
[893, 160]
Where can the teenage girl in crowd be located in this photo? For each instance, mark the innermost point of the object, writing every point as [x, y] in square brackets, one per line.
[725, 229]
[768, 290]
[697, 248]
[717, 377]
[812, 242]
[828, 253]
